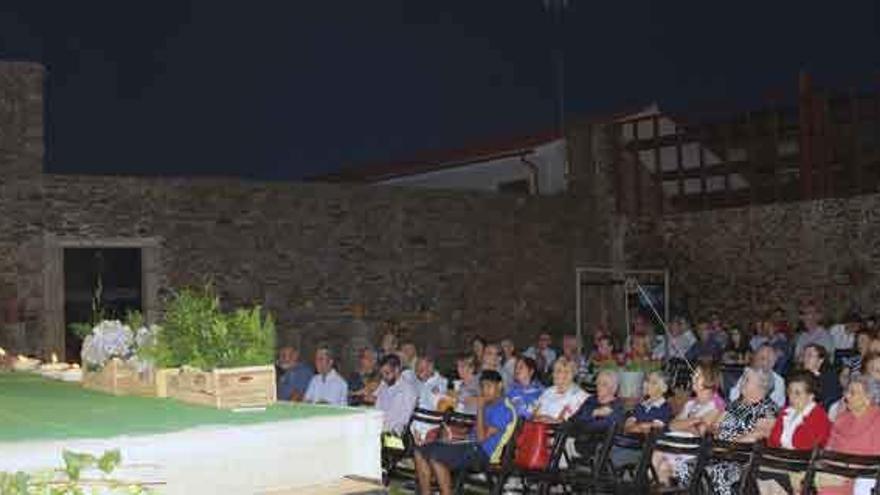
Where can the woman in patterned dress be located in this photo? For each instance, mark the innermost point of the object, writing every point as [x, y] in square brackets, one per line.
[748, 419]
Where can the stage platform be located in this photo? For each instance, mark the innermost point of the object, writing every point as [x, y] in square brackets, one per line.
[182, 448]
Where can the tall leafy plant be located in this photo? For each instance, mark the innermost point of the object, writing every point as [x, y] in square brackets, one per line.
[195, 332]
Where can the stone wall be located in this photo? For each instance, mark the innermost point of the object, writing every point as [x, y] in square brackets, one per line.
[493, 265]
[747, 261]
[485, 264]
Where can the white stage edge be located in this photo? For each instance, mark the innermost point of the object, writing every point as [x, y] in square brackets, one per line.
[248, 459]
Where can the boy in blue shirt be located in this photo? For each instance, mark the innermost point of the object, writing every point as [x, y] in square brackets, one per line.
[496, 420]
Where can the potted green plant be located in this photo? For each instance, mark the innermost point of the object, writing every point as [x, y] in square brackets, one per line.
[217, 358]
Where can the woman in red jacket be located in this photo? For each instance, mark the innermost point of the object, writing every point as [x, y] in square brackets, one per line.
[801, 425]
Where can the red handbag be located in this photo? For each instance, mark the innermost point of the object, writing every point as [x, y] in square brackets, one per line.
[532, 446]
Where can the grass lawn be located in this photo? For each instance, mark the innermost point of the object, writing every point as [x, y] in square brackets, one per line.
[36, 408]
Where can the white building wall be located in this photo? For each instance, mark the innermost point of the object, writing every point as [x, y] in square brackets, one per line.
[549, 159]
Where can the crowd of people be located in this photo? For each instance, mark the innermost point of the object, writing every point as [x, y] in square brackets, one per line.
[793, 386]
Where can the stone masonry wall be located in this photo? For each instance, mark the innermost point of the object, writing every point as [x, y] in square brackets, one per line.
[489, 265]
[745, 262]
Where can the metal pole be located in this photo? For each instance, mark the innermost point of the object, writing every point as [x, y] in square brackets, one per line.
[666, 294]
[577, 291]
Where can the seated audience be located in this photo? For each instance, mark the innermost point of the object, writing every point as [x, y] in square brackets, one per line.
[748, 419]
[363, 383]
[764, 359]
[496, 420]
[783, 326]
[560, 401]
[870, 367]
[293, 375]
[432, 388]
[526, 389]
[695, 419]
[708, 345]
[570, 352]
[389, 345]
[478, 344]
[327, 386]
[408, 355]
[640, 355]
[680, 341]
[802, 425]
[603, 356]
[653, 413]
[509, 356]
[863, 346]
[815, 361]
[431, 385]
[856, 431]
[467, 387]
[844, 333]
[737, 349]
[601, 411]
[813, 333]
[543, 354]
[492, 361]
[395, 397]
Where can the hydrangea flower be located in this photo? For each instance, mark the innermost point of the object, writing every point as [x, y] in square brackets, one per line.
[113, 339]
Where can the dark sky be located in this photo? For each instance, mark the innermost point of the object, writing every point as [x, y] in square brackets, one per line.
[276, 89]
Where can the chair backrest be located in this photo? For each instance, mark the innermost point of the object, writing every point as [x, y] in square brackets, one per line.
[722, 451]
[726, 451]
[460, 420]
[846, 465]
[427, 416]
[674, 444]
[775, 460]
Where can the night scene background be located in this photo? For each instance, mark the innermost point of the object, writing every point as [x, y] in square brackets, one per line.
[278, 90]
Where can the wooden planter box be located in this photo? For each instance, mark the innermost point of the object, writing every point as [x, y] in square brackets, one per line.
[118, 377]
[226, 388]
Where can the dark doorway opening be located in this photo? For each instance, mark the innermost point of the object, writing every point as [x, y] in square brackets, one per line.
[99, 283]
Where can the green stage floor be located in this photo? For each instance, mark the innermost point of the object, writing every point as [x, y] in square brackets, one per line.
[34, 408]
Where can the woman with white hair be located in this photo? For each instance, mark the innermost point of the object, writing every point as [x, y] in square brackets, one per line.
[563, 398]
[856, 431]
[652, 413]
[748, 419]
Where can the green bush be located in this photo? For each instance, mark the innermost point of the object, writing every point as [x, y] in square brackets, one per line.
[195, 332]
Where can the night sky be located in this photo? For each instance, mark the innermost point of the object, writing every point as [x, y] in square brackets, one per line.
[276, 89]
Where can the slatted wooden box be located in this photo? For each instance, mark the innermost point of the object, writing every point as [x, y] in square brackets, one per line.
[119, 377]
[224, 388]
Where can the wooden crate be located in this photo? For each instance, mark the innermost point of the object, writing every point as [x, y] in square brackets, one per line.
[119, 377]
[225, 388]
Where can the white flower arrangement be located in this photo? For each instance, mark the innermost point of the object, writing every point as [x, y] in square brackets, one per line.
[113, 339]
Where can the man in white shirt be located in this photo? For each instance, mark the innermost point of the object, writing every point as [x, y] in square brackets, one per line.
[326, 387]
[764, 358]
[432, 386]
[395, 397]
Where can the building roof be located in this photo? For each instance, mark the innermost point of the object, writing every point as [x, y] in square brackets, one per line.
[442, 159]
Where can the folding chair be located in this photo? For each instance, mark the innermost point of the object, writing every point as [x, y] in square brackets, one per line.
[726, 451]
[666, 443]
[850, 466]
[591, 471]
[392, 455]
[496, 474]
[550, 476]
[774, 461]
